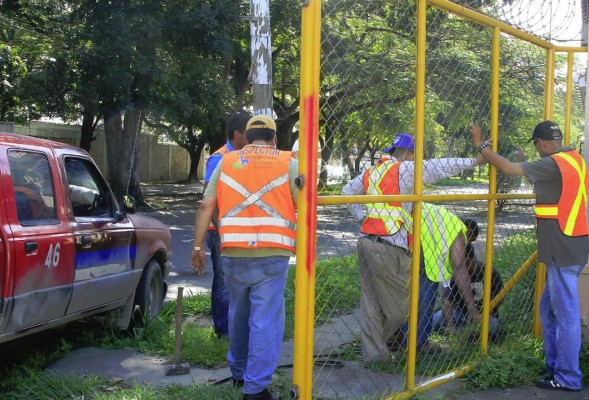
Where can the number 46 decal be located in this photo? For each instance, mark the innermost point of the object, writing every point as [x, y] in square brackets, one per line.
[52, 258]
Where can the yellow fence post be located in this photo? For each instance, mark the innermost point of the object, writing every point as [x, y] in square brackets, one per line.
[307, 201]
[569, 99]
[418, 188]
[495, 53]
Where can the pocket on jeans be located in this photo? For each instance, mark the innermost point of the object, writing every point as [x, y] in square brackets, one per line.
[572, 270]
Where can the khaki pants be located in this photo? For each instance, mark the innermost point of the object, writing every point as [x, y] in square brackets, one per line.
[384, 302]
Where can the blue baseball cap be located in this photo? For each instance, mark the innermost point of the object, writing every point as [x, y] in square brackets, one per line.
[402, 141]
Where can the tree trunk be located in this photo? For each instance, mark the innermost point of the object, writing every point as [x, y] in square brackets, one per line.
[87, 133]
[122, 145]
[194, 152]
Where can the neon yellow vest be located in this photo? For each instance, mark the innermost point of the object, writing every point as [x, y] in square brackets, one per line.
[439, 229]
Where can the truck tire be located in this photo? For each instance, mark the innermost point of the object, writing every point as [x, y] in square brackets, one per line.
[149, 295]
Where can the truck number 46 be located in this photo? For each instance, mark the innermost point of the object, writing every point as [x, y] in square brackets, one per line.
[52, 258]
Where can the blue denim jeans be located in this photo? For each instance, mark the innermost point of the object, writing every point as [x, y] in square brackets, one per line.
[561, 324]
[256, 317]
[219, 298]
[459, 317]
[426, 303]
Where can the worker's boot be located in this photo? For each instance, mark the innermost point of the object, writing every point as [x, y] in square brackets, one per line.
[263, 395]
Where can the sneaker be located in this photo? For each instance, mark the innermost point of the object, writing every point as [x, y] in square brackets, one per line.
[553, 384]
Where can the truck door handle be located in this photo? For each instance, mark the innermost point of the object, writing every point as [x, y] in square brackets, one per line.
[31, 246]
[86, 241]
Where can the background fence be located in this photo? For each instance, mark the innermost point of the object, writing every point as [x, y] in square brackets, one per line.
[470, 67]
[158, 162]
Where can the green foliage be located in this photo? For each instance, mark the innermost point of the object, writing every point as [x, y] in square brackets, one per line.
[516, 362]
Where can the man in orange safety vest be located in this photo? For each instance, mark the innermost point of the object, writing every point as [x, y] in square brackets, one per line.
[560, 182]
[254, 191]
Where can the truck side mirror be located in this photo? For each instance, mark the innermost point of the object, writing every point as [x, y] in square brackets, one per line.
[129, 204]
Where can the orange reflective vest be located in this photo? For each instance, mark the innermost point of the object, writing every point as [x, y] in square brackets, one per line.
[384, 219]
[223, 150]
[256, 209]
[572, 205]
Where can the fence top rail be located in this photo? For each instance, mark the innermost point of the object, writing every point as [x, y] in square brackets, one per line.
[493, 23]
[570, 49]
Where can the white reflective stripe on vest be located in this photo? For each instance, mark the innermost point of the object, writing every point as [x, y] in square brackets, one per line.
[389, 216]
[436, 230]
[253, 198]
[255, 238]
[257, 221]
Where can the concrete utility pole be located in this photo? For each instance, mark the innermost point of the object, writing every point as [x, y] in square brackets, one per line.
[261, 50]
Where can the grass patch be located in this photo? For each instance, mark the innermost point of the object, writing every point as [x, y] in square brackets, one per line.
[518, 361]
[337, 290]
[200, 345]
[50, 386]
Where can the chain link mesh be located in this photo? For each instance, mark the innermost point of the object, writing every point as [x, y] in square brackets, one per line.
[367, 92]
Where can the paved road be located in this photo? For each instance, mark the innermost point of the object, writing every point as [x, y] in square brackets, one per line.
[336, 230]
[336, 237]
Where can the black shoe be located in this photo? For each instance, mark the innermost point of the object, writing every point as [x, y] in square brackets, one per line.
[237, 382]
[552, 384]
[263, 395]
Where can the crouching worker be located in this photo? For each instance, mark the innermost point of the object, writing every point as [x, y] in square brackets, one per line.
[453, 313]
[255, 193]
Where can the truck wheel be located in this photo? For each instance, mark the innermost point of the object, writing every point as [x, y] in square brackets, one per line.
[149, 295]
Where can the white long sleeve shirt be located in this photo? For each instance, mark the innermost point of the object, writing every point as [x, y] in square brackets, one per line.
[433, 170]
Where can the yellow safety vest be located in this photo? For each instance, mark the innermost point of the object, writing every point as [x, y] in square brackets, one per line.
[439, 229]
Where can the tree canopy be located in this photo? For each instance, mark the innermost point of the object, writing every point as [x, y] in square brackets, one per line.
[179, 68]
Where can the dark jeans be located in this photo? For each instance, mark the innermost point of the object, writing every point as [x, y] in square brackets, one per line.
[426, 303]
[219, 297]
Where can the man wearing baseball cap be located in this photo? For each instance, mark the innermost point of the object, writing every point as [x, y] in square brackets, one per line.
[560, 183]
[384, 241]
[236, 139]
[255, 193]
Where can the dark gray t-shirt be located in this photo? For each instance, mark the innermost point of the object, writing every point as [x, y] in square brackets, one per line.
[552, 243]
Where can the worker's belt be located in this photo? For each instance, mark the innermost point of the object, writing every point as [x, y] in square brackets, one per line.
[380, 239]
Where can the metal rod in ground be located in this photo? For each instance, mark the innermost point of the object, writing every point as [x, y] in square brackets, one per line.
[178, 368]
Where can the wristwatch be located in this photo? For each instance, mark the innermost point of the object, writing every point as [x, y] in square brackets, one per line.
[197, 248]
[483, 146]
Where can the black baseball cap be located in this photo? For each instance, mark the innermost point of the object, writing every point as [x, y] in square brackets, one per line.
[546, 130]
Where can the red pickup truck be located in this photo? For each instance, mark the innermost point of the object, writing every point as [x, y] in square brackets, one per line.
[67, 249]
